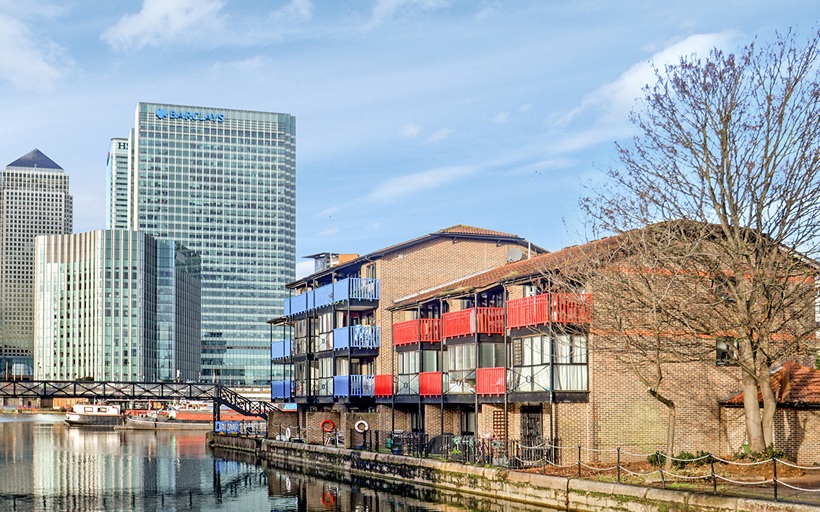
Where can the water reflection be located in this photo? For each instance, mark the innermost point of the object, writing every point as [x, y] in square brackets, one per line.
[47, 466]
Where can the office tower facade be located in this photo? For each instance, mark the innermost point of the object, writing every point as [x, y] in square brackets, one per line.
[116, 305]
[34, 200]
[118, 185]
[223, 183]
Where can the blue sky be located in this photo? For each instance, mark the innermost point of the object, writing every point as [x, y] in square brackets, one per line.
[412, 115]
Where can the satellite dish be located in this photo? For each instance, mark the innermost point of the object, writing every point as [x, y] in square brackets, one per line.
[514, 254]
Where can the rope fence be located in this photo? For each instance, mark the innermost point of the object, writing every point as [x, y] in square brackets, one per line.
[706, 471]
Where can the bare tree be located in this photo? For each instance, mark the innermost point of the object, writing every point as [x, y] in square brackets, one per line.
[730, 144]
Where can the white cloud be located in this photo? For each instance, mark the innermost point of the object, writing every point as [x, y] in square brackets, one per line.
[420, 181]
[301, 10]
[501, 117]
[162, 21]
[410, 131]
[439, 135]
[611, 103]
[384, 9]
[305, 268]
[29, 62]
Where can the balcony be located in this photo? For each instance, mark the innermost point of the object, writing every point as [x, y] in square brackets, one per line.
[322, 386]
[353, 385]
[383, 385]
[458, 382]
[357, 336]
[491, 381]
[430, 384]
[281, 390]
[344, 290]
[280, 349]
[407, 385]
[563, 308]
[472, 321]
[424, 330]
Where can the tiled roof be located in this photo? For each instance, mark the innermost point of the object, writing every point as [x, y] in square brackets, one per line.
[457, 231]
[531, 267]
[793, 384]
[35, 159]
[461, 229]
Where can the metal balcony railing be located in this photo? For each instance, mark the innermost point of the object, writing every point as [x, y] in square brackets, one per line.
[353, 385]
[357, 336]
[351, 288]
[430, 384]
[491, 381]
[281, 390]
[473, 321]
[563, 308]
[383, 385]
[424, 330]
[280, 349]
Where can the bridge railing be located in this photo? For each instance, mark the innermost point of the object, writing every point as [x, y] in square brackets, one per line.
[96, 390]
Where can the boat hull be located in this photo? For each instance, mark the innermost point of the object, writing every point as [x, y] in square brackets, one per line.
[89, 420]
[147, 423]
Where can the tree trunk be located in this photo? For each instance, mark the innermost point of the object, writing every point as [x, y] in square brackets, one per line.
[769, 404]
[751, 409]
[670, 426]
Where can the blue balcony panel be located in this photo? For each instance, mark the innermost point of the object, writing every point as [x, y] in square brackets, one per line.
[351, 288]
[357, 336]
[354, 385]
[280, 349]
[281, 389]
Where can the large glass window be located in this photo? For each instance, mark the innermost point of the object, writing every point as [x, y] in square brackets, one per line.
[531, 363]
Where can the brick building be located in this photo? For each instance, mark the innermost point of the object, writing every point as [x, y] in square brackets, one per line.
[522, 352]
[332, 350]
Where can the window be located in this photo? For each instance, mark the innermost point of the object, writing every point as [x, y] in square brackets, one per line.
[726, 352]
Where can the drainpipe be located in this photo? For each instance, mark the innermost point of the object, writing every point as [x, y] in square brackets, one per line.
[507, 364]
[441, 361]
[392, 377]
[552, 361]
[477, 359]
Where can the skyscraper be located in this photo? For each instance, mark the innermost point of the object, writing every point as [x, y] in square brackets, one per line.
[116, 305]
[221, 182]
[118, 181]
[34, 200]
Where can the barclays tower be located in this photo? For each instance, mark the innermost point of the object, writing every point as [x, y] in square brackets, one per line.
[221, 182]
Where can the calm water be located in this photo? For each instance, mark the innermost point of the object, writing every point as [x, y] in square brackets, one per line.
[47, 466]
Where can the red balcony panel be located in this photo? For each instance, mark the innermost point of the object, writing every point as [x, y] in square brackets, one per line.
[571, 308]
[490, 320]
[383, 385]
[430, 384]
[528, 311]
[491, 381]
[425, 330]
[472, 321]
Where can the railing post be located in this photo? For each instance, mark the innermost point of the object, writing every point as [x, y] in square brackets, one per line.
[714, 478]
[579, 461]
[618, 465]
[774, 476]
[660, 468]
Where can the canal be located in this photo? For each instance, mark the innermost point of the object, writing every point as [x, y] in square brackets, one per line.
[47, 466]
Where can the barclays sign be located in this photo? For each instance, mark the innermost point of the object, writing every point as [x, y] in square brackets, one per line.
[161, 113]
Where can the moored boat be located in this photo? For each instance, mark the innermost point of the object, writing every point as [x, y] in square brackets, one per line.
[94, 415]
[162, 422]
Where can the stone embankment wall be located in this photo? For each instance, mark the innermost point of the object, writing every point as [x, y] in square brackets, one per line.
[515, 486]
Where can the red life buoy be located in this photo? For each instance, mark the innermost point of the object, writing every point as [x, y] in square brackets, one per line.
[327, 425]
[328, 499]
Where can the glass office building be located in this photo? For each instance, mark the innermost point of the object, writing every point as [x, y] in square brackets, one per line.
[223, 183]
[118, 181]
[116, 305]
[34, 200]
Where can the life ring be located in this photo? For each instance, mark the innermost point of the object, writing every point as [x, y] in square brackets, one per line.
[361, 426]
[287, 432]
[328, 499]
[327, 425]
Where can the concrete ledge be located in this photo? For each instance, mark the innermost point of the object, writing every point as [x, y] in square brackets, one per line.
[496, 483]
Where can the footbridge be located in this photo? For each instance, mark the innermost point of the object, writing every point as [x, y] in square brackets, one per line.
[127, 391]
